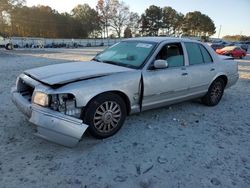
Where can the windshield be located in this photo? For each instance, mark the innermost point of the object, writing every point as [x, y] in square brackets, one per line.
[127, 53]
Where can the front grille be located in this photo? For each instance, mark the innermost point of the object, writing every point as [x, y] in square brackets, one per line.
[25, 89]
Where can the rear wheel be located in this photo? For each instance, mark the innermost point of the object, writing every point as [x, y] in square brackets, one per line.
[215, 93]
[9, 46]
[105, 115]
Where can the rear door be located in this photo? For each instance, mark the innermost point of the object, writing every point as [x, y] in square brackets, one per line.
[201, 68]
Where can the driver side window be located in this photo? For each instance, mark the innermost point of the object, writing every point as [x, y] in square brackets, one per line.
[173, 54]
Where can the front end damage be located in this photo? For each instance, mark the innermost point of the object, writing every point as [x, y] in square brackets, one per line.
[55, 123]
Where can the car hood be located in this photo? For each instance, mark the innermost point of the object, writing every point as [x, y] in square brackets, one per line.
[60, 74]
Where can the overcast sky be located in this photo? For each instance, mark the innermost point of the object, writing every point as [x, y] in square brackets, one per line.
[232, 15]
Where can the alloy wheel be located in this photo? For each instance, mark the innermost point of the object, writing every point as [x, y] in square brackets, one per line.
[107, 116]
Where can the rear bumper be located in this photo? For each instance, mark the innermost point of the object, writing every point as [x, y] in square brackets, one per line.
[51, 125]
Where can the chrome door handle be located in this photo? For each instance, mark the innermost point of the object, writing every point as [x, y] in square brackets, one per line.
[212, 69]
[184, 74]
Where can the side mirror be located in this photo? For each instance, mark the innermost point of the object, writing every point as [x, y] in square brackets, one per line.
[160, 64]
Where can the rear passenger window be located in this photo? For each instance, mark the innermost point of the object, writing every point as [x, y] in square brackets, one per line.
[206, 56]
[194, 53]
[197, 54]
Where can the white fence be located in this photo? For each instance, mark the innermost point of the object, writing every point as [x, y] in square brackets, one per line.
[43, 42]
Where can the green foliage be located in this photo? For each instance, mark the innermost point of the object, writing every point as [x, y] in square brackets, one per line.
[152, 20]
[87, 17]
[172, 23]
[42, 21]
[127, 33]
[134, 23]
[110, 16]
[197, 24]
[144, 25]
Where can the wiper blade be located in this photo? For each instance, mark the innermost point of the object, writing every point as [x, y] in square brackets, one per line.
[111, 62]
[95, 59]
[119, 64]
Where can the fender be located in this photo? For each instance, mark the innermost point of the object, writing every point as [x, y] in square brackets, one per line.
[86, 90]
[216, 76]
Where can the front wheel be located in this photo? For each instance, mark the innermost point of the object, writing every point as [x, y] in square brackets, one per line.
[215, 93]
[105, 115]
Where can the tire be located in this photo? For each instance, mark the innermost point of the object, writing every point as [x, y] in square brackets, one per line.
[105, 115]
[215, 93]
[9, 46]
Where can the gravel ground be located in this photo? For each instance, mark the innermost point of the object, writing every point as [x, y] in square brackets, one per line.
[185, 145]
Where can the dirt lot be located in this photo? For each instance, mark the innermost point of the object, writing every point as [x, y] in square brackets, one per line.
[185, 145]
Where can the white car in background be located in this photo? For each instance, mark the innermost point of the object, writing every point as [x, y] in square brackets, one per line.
[6, 43]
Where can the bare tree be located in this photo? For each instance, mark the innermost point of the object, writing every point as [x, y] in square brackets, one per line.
[103, 9]
[119, 16]
[6, 7]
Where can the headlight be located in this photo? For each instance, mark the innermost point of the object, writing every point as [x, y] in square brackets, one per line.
[41, 99]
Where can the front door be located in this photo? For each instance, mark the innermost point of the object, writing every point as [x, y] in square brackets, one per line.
[161, 86]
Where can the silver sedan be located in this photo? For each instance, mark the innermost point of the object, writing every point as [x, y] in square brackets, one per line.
[129, 77]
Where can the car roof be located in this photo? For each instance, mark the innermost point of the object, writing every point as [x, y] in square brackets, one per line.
[160, 39]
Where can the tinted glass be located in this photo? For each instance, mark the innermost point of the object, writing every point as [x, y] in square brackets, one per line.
[206, 56]
[194, 53]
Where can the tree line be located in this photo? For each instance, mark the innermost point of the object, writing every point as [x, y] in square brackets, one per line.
[236, 38]
[110, 18]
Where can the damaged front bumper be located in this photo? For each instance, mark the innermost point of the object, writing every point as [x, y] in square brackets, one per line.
[51, 125]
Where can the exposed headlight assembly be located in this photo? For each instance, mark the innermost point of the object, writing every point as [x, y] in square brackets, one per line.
[41, 98]
[66, 104]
